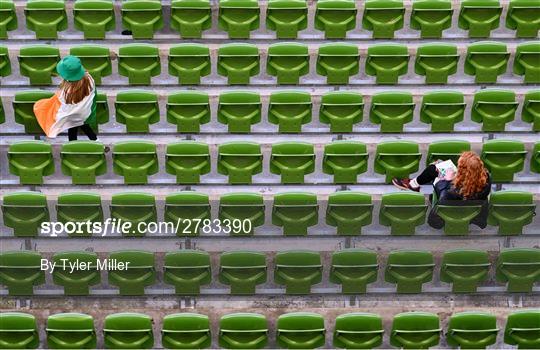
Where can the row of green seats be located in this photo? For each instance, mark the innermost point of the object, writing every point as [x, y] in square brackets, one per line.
[285, 17]
[293, 330]
[288, 62]
[296, 270]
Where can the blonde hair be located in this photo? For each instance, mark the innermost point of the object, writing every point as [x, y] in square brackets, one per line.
[75, 91]
[471, 175]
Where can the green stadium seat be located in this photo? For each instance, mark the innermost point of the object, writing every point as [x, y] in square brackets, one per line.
[337, 62]
[397, 159]
[24, 212]
[189, 209]
[287, 61]
[535, 158]
[239, 110]
[142, 17]
[349, 211]
[238, 17]
[298, 270]
[530, 112]
[472, 330]
[5, 63]
[431, 17]
[402, 212]
[102, 110]
[186, 330]
[83, 161]
[409, 270]
[289, 110]
[191, 17]
[457, 216]
[486, 61]
[383, 17]
[138, 272]
[358, 330]
[523, 17]
[9, 18]
[392, 110]
[341, 110]
[345, 160]
[286, 17]
[446, 149]
[442, 109]
[387, 62]
[243, 331]
[242, 271]
[511, 211]
[78, 281]
[479, 17]
[136, 109]
[38, 63]
[526, 62]
[189, 62]
[20, 271]
[139, 62]
[23, 108]
[240, 161]
[522, 329]
[300, 330]
[295, 212]
[240, 207]
[79, 207]
[134, 208]
[292, 160]
[187, 270]
[94, 18]
[19, 331]
[95, 59]
[135, 161]
[415, 330]
[354, 269]
[188, 160]
[436, 62]
[465, 269]
[128, 330]
[238, 62]
[30, 161]
[335, 17]
[503, 158]
[46, 17]
[519, 268]
[188, 110]
[494, 108]
[70, 331]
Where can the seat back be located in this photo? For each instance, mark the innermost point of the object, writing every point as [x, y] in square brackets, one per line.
[23, 109]
[25, 212]
[522, 328]
[486, 61]
[354, 269]
[447, 150]
[289, 110]
[95, 59]
[138, 271]
[479, 17]
[76, 271]
[186, 330]
[465, 269]
[243, 331]
[70, 330]
[128, 330]
[238, 62]
[519, 268]
[188, 110]
[472, 329]
[189, 62]
[349, 211]
[94, 17]
[292, 160]
[46, 17]
[79, 207]
[244, 210]
[239, 110]
[359, 330]
[387, 62]
[238, 17]
[522, 16]
[392, 110]
[83, 161]
[21, 271]
[335, 18]
[287, 61]
[187, 270]
[342, 110]
[139, 62]
[135, 208]
[511, 211]
[295, 212]
[187, 210]
[415, 330]
[436, 62]
[298, 270]
[19, 331]
[431, 17]
[503, 158]
[191, 17]
[337, 62]
[240, 161]
[142, 17]
[300, 330]
[403, 212]
[383, 17]
[286, 17]
[243, 271]
[38, 62]
[409, 270]
[135, 161]
[397, 159]
[188, 160]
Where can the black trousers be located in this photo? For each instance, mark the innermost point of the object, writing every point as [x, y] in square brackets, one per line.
[428, 175]
[72, 132]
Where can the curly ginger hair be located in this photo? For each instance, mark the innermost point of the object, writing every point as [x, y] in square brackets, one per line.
[471, 176]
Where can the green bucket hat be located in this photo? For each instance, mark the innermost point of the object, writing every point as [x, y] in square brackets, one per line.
[70, 68]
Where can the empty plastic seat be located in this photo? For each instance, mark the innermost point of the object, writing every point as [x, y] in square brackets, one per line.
[522, 16]
[486, 61]
[387, 62]
[243, 210]
[292, 160]
[392, 110]
[243, 331]
[142, 17]
[409, 270]
[503, 158]
[526, 62]
[242, 271]
[442, 109]
[5, 63]
[446, 149]
[70, 331]
[341, 110]
[431, 17]
[290, 110]
[19, 331]
[494, 108]
[188, 110]
[76, 271]
[188, 160]
[187, 210]
[295, 212]
[300, 330]
[337, 62]
[240, 161]
[530, 112]
[397, 159]
[239, 110]
[23, 108]
[134, 208]
[46, 17]
[522, 329]
[383, 17]
[238, 17]
[511, 211]
[95, 59]
[479, 17]
[30, 161]
[436, 62]
[24, 212]
[535, 158]
[345, 160]
[472, 330]
[79, 207]
[20, 271]
[297, 270]
[128, 330]
[94, 17]
[457, 216]
[287, 61]
[349, 211]
[186, 330]
[465, 269]
[83, 161]
[189, 62]
[187, 270]
[238, 62]
[415, 330]
[135, 161]
[38, 63]
[136, 109]
[354, 269]
[190, 17]
[286, 17]
[137, 272]
[335, 17]
[358, 330]
[402, 212]
[9, 18]
[139, 62]
[519, 269]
